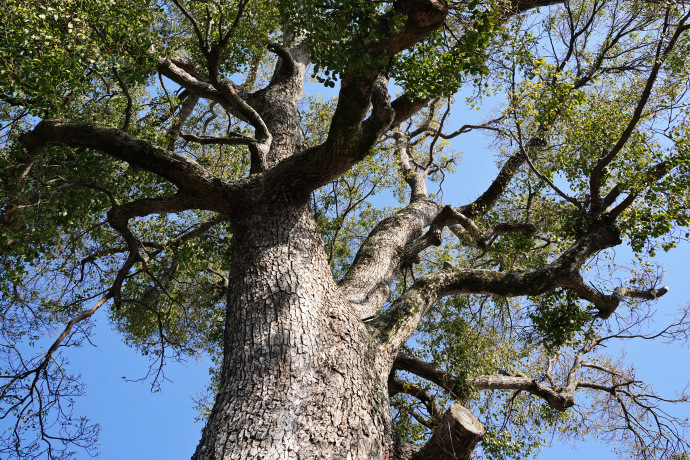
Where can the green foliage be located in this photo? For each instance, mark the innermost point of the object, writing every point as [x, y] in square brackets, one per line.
[557, 317]
[246, 27]
[327, 28]
[453, 338]
[56, 51]
[502, 445]
[95, 62]
[432, 68]
[409, 428]
[438, 65]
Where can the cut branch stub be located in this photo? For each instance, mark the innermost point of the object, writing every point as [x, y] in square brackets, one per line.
[455, 437]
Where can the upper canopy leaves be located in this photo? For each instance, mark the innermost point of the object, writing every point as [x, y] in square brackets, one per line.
[592, 133]
[60, 51]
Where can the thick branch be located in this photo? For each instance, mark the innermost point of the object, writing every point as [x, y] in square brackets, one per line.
[205, 140]
[405, 107]
[181, 71]
[455, 438]
[415, 179]
[11, 212]
[607, 304]
[349, 139]
[445, 218]
[208, 192]
[119, 216]
[397, 323]
[396, 386]
[278, 102]
[487, 199]
[399, 239]
[558, 399]
[367, 284]
[287, 68]
[427, 371]
[520, 6]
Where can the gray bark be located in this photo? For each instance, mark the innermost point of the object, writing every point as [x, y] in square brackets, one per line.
[455, 438]
[303, 376]
[299, 375]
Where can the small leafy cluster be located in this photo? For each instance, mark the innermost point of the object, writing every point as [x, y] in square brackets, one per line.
[327, 29]
[437, 66]
[557, 317]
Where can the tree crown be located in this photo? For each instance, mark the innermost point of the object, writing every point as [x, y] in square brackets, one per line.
[137, 133]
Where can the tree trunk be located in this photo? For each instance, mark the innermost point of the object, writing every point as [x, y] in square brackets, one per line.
[455, 437]
[299, 376]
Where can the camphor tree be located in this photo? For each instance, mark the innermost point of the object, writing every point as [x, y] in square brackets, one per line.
[246, 220]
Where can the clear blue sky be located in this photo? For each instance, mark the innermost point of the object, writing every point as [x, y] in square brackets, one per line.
[138, 424]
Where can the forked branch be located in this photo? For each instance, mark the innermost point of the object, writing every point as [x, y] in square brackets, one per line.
[398, 322]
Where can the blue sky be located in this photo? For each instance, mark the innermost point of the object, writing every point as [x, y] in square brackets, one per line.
[137, 423]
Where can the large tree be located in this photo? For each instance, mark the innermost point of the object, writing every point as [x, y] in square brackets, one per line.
[160, 159]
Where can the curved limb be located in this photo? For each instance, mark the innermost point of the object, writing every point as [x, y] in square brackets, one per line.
[204, 191]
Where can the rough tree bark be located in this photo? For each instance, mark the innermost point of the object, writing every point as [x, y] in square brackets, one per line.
[307, 362]
[300, 374]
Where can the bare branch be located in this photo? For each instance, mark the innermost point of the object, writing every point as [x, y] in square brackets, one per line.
[128, 109]
[204, 140]
[652, 174]
[630, 408]
[607, 304]
[607, 158]
[469, 127]
[396, 386]
[185, 111]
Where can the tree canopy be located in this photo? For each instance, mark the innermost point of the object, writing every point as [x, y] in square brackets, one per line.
[137, 134]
